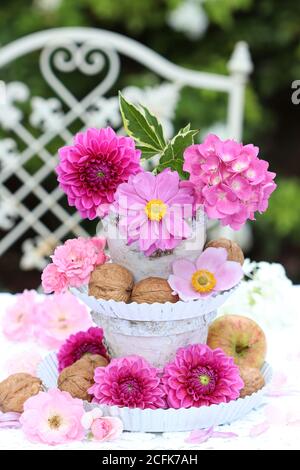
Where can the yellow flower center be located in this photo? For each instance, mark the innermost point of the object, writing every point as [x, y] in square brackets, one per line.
[204, 379]
[203, 281]
[54, 422]
[156, 209]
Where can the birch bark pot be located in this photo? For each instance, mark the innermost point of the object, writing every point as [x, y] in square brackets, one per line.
[160, 263]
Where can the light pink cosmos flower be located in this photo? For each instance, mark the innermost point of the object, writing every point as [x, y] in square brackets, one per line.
[200, 376]
[53, 417]
[19, 318]
[153, 210]
[128, 381]
[229, 179]
[92, 168]
[59, 316]
[211, 273]
[72, 263]
[102, 428]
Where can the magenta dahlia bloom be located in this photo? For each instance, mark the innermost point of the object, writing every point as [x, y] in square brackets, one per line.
[153, 210]
[200, 376]
[92, 168]
[229, 179]
[128, 381]
[90, 341]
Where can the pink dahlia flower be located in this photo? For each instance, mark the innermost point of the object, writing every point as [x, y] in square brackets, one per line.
[53, 417]
[153, 210]
[229, 179]
[83, 342]
[72, 263]
[57, 317]
[92, 168]
[128, 381]
[210, 273]
[19, 318]
[199, 376]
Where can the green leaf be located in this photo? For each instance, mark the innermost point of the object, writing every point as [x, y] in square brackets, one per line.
[147, 152]
[172, 157]
[143, 128]
[153, 121]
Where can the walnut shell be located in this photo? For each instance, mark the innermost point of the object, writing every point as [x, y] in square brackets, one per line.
[153, 289]
[111, 281]
[253, 380]
[234, 252]
[16, 389]
[79, 377]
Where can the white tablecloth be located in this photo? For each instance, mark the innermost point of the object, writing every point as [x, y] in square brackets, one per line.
[283, 355]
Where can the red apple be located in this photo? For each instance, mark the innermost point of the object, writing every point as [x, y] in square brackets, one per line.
[239, 337]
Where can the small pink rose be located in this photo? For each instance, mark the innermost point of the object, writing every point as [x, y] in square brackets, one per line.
[102, 428]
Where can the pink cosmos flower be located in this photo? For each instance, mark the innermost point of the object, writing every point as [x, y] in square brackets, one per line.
[199, 376]
[90, 341]
[128, 381]
[53, 417]
[24, 361]
[58, 317]
[102, 428]
[210, 273]
[92, 168]
[19, 318]
[229, 179]
[153, 210]
[72, 263]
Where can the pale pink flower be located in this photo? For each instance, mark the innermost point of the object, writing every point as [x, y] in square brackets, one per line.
[76, 259]
[102, 428]
[211, 273]
[229, 180]
[59, 316]
[19, 318]
[276, 416]
[153, 210]
[53, 417]
[53, 280]
[200, 376]
[93, 167]
[72, 264]
[24, 361]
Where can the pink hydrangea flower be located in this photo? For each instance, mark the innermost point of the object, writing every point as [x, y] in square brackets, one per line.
[210, 273]
[72, 263]
[83, 342]
[53, 417]
[199, 376]
[128, 381]
[19, 318]
[92, 168]
[58, 316]
[229, 179]
[153, 210]
[102, 428]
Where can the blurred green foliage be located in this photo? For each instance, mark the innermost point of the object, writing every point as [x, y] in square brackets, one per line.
[272, 29]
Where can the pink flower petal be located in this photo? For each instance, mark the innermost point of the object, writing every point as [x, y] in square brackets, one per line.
[212, 259]
[228, 275]
[183, 288]
[183, 268]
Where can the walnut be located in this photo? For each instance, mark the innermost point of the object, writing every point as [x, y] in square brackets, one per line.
[16, 389]
[253, 380]
[153, 289]
[79, 377]
[234, 252]
[111, 281]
